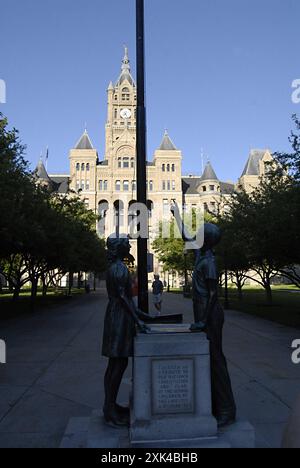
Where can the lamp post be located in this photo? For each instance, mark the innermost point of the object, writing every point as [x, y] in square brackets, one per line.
[141, 153]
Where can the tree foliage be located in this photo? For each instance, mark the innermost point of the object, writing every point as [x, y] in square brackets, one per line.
[43, 235]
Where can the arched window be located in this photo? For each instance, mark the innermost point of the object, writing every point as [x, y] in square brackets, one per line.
[88, 167]
[173, 167]
[119, 215]
[77, 167]
[125, 90]
[82, 166]
[151, 185]
[103, 208]
[168, 167]
[118, 185]
[132, 218]
[163, 168]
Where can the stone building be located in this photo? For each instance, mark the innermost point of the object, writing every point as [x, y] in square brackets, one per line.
[108, 184]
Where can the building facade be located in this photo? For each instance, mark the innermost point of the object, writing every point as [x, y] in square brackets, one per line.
[108, 185]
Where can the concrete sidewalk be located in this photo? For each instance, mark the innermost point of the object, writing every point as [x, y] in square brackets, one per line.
[55, 370]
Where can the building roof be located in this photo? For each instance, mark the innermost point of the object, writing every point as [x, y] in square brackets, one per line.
[126, 72]
[60, 183]
[190, 186]
[84, 143]
[252, 165]
[167, 144]
[209, 173]
[227, 188]
[40, 172]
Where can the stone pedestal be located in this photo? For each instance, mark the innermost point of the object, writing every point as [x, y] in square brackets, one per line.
[171, 398]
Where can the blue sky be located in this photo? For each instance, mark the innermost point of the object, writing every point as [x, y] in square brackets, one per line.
[219, 74]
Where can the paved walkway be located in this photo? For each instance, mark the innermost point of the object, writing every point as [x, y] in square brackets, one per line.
[55, 371]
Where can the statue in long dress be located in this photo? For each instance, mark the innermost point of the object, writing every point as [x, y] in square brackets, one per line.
[121, 319]
[209, 317]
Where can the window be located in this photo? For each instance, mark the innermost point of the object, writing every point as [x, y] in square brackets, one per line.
[132, 163]
[204, 189]
[105, 185]
[133, 185]
[169, 186]
[168, 167]
[100, 185]
[126, 186]
[119, 163]
[82, 167]
[88, 167]
[77, 185]
[173, 167]
[116, 113]
[116, 97]
[173, 185]
[126, 163]
[77, 167]
[164, 185]
[212, 188]
[151, 186]
[163, 168]
[118, 185]
[82, 185]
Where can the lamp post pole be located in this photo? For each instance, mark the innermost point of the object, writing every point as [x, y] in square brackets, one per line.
[141, 153]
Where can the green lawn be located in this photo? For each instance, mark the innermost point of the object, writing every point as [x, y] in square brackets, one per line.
[23, 305]
[285, 308]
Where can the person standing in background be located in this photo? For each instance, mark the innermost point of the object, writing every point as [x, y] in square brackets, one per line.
[157, 290]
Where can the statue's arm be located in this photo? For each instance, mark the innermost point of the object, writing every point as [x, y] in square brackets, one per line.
[132, 310]
[212, 287]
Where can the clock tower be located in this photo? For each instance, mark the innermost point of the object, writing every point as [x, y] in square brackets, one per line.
[121, 119]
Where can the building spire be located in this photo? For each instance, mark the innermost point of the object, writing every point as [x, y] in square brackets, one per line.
[126, 61]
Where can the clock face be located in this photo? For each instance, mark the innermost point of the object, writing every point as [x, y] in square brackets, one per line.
[125, 113]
